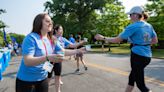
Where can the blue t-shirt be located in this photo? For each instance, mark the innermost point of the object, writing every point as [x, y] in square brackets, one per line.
[57, 47]
[140, 33]
[33, 45]
[63, 42]
[71, 39]
[60, 44]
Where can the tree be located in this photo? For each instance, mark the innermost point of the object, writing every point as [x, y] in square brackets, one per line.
[156, 10]
[74, 15]
[2, 11]
[19, 38]
[88, 17]
[112, 19]
[2, 42]
[1, 39]
[2, 24]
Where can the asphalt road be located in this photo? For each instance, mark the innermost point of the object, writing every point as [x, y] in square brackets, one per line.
[106, 73]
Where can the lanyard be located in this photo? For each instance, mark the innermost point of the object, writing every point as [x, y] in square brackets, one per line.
[44, 45]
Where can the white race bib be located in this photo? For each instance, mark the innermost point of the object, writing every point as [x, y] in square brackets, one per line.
[48, 66]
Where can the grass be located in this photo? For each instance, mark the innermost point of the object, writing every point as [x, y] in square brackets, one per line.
[120, 50]
[113, 50]
[157, 53]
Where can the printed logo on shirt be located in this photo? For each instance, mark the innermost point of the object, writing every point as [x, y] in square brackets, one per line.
[146, 37]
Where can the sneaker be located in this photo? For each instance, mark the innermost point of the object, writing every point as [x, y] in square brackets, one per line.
[86, 68]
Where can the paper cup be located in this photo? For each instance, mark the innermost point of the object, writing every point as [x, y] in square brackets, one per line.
[60, 53]
[86, 39]
[88, 47]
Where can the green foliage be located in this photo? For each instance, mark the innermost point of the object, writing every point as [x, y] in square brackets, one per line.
[156, 9]
[88, 17]
[1, 33]
[1, 41]
[74, 15]
[8, 38]
[19, 38]
[112, 20]
[2, 24]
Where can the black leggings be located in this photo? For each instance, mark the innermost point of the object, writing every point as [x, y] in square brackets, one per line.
[56, 69]
[38, 86]
[138, 63]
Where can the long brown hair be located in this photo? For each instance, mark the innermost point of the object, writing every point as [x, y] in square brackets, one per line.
[37, 24]
[56, 28]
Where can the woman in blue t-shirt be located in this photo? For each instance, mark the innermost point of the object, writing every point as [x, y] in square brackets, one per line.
[142, 36]
[37, 51]
[61, 44]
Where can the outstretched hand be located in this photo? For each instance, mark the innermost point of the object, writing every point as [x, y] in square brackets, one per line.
[82, 50]
[99, 37]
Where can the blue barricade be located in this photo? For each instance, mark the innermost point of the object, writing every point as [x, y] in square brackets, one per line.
[1, 67]
[5, 58]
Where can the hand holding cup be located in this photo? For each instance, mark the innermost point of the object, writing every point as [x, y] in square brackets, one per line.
[60, 55]
[55, 58]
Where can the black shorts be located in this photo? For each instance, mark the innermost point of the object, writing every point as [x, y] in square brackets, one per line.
[56, 69]
[37, 86]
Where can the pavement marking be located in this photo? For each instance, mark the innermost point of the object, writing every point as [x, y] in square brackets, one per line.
[114, 70]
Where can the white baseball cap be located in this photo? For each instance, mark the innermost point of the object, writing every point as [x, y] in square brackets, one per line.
[136, 9]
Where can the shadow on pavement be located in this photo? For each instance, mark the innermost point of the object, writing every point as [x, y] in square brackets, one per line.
[72, 73]
[3, 89]
[154, 70]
